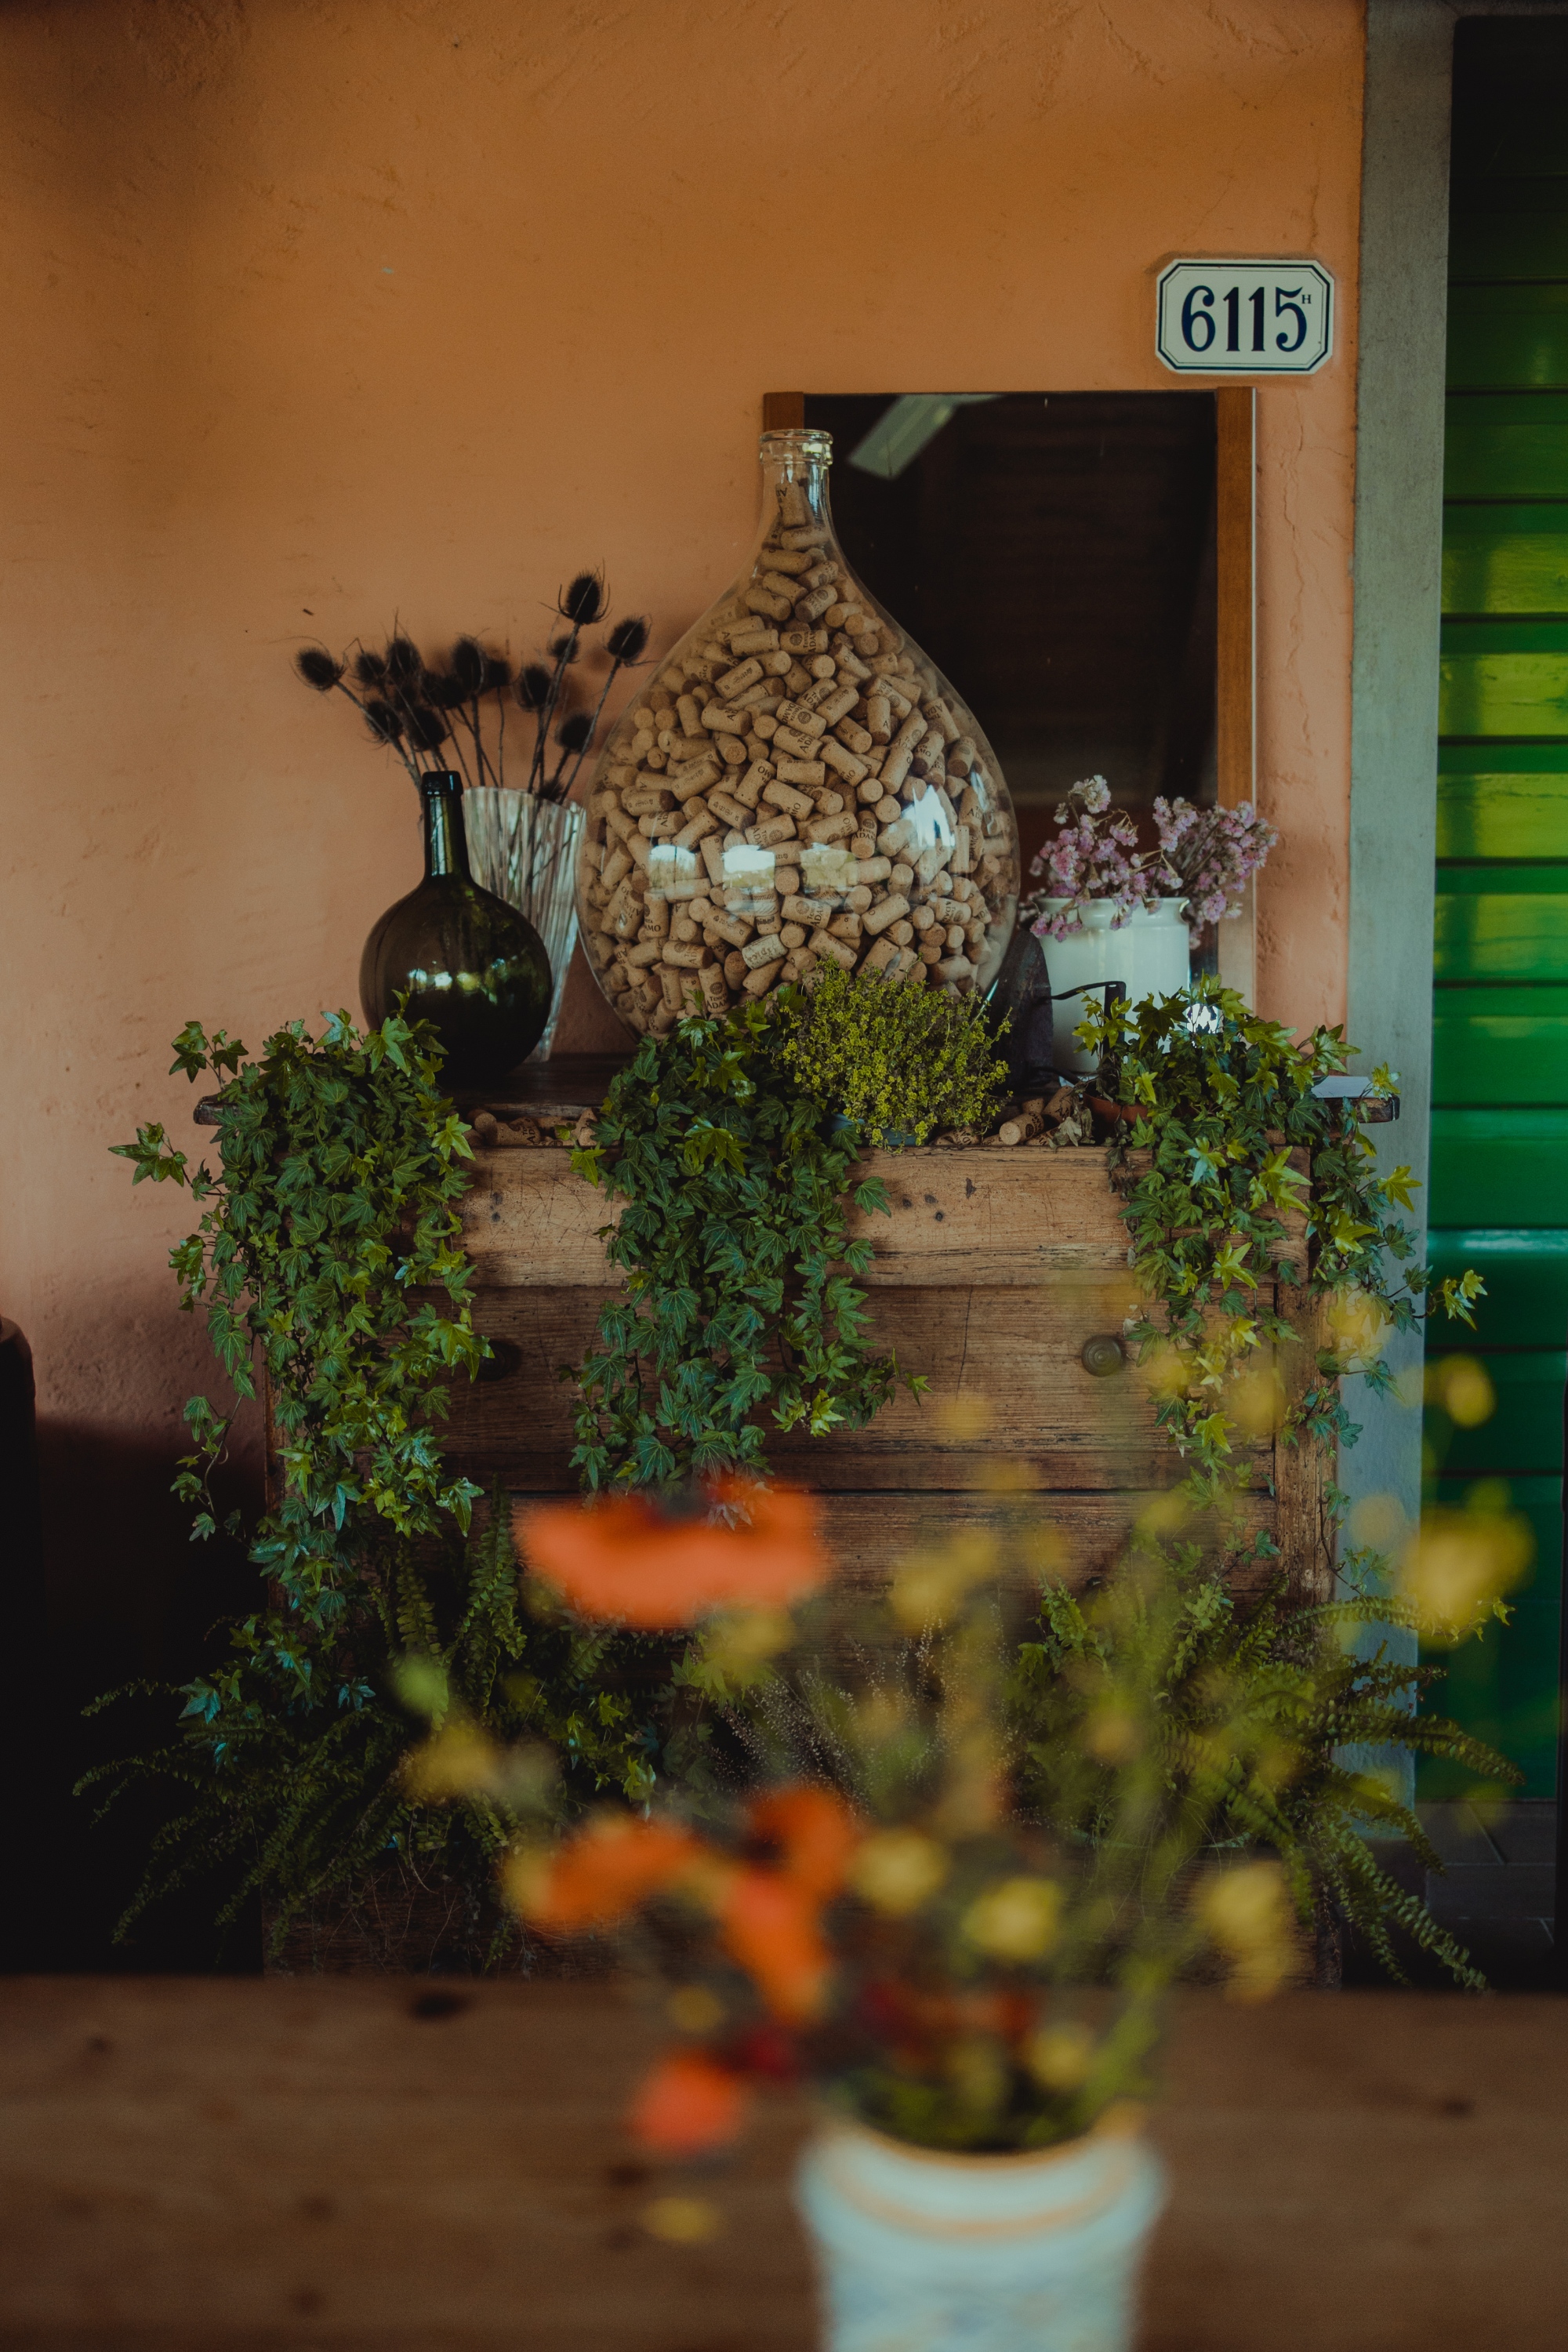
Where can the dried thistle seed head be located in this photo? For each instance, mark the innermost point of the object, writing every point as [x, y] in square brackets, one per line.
[370, 668]
[382, 721]
[444, 690]
[564, 649]
[467, 666]
[533, 687]
[317, 667]
[427, 729]
[405, 665]
[498, 674]
[628, 639]
[584, 601]
[573, 733]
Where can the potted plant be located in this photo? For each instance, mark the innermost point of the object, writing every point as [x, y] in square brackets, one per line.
[1110, 912]
[855, 1896]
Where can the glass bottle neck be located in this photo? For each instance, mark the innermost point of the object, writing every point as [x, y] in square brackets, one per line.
[794, 480]
[445, 842]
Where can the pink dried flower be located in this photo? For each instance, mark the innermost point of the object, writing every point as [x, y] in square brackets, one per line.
[1090, 859]
[1212, 853]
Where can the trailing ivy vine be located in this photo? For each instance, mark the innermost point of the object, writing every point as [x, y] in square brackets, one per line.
[1222, 1103]
[740, 1304]
[340, 1165]
[326, 1235]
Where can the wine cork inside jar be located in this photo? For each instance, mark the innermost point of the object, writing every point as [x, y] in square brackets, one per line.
[796, 783]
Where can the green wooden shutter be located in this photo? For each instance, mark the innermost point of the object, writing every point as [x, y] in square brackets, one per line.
[1500, 1121]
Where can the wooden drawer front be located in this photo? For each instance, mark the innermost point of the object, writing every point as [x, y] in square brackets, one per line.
[869, 1534]
[991, 1271]
[988, 1219]
[1049, 1425]
[956, 1217]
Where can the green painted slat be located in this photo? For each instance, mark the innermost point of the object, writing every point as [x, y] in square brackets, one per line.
[1497, 803]
[1501, 923]
[1510, 632]
[1499, 1198]
[1499, 1168]
[1505, 559]
[1522, 233]
[1525, 1433]
[1503, 693]
[1503, 1688]
[1507, 445]
[1509, 121]
[1504, 336]
[1535, 877]
[1526, 1275]
[1500, 1046]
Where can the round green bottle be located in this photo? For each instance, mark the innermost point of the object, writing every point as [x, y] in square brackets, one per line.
[470, 965]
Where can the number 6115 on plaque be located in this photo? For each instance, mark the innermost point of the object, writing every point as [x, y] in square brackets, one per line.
[1244, 318]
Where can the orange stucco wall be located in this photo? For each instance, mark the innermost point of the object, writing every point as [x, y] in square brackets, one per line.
[317, 310]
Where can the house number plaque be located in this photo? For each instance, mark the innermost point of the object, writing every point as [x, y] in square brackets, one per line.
[1244, 318]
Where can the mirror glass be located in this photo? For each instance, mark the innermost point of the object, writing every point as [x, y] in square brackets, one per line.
[1055, 555]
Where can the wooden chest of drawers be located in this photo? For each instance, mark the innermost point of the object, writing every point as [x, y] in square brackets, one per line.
[992, 1271]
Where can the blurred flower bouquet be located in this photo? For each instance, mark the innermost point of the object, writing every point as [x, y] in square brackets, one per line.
[957, 1933]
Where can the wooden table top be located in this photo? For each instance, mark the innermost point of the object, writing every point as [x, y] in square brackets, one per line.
[428, 2166]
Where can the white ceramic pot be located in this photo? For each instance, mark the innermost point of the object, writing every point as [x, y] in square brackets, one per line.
[920, 2252]
[1148, 953]
[525, 850]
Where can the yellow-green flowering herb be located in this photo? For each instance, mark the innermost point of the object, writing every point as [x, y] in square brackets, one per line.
[900, 1062]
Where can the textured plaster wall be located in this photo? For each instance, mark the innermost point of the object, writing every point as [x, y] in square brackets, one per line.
[319, 311]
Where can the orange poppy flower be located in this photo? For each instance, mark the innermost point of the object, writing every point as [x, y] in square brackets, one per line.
[770, 1925]
[688, 2103]
[817, 1833]
[624, 1558]
[606, 1872]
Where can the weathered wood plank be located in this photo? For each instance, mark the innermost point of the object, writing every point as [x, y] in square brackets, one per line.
[1006, 1382]
[955, 1218]
[869, 1532]
[219, 2166]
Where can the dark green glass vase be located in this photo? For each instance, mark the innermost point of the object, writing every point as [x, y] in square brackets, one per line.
[471, 965]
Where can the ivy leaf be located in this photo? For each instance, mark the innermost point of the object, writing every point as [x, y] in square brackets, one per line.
[1400, 1186]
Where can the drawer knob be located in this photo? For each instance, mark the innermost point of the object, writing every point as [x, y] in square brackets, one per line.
[505, 1358]
[1102, 1354]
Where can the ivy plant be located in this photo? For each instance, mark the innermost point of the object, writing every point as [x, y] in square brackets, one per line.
[1221, 1104]
[740, 1309]
[340, 1165]
[328, 1238]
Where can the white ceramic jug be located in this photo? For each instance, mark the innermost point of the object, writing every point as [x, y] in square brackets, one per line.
[1148, 951]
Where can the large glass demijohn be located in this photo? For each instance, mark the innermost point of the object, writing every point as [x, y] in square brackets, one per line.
[797, 783]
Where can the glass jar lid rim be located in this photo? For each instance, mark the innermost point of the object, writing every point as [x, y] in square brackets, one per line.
[798, 441]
